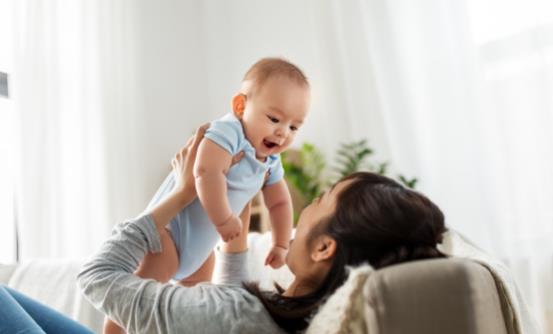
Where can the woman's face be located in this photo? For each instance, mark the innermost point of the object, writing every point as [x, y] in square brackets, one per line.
[301, 256]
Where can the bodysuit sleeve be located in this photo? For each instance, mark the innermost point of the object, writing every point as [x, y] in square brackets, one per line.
[227, 133]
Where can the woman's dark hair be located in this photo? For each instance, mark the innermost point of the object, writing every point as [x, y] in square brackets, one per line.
[376, 220]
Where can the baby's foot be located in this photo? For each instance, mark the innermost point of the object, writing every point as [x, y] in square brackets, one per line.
[230, 229]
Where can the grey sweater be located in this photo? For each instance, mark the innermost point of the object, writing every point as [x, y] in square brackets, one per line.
[147, 306]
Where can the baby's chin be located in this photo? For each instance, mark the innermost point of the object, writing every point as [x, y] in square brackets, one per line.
[263, 152]
[273, 152]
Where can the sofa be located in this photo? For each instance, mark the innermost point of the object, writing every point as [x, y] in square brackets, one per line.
[454, 296]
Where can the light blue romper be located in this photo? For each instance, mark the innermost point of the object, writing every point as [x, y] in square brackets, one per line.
[194, 234]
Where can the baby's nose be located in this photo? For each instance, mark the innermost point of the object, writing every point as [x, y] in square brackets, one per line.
[280, 132]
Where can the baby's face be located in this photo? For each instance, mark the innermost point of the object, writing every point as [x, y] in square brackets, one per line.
[274, 114]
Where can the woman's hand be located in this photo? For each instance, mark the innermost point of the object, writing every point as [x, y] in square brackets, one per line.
[183, 165]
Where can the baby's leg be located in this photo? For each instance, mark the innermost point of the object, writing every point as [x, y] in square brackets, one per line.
[160, 266]
[205, 272]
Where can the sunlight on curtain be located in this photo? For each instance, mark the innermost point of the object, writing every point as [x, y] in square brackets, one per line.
[515, 49]
[70, 95]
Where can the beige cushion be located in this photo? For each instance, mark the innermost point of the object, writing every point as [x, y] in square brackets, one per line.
[453, 296]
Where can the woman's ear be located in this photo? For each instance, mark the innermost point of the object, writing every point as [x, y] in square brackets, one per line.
[239, 105]
[324, 248]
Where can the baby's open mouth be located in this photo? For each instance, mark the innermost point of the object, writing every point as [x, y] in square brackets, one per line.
[269, 144]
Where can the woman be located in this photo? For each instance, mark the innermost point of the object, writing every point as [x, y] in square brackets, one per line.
[362, 218]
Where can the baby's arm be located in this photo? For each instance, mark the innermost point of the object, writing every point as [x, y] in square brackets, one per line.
[279, 203]
[212, 164]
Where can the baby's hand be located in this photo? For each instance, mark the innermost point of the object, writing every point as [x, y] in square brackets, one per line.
[230, 229]
[276, 257]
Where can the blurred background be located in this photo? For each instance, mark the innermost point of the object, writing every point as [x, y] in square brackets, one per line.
[96, 96]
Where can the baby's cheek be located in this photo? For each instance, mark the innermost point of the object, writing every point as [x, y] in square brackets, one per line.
[289, 141]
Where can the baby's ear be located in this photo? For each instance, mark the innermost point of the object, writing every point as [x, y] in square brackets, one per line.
[239, 105]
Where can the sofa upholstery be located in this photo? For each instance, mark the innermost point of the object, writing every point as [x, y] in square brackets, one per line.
[453, 296]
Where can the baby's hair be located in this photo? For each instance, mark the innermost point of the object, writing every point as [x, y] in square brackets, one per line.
[273, 67]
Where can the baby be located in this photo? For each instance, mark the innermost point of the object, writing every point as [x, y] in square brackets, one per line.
[267, 112]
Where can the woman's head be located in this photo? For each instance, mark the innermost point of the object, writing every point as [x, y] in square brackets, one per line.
[363, 218]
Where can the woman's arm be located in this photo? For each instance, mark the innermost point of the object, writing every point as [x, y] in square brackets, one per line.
[184, 191]
[107, 280]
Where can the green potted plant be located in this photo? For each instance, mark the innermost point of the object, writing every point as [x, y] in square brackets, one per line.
[307, 175]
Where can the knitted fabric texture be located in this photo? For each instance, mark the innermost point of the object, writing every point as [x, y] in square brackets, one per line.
[344, 311]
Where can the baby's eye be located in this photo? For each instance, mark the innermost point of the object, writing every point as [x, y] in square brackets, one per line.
[294, 128]
[273, 119]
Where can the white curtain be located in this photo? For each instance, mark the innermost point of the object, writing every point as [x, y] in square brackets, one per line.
[73, 93]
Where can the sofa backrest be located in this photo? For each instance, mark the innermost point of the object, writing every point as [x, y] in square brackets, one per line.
[453, 296]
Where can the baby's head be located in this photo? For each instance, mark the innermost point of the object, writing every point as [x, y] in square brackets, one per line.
[272, 105]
